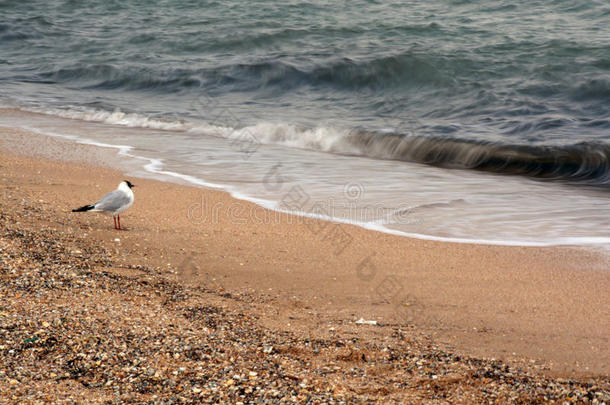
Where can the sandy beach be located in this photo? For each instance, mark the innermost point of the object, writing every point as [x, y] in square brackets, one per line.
[205, 296]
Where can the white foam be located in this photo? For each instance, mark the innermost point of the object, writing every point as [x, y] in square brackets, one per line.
[375, 226]
[154, 166]
[325, 139]
[116, 117]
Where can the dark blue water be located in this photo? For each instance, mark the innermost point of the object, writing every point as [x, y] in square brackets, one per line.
[520, 87]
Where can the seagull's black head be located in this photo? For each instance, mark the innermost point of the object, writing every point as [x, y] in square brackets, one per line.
[128, 183]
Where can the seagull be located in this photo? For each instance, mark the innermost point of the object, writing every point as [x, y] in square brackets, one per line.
[113, 203]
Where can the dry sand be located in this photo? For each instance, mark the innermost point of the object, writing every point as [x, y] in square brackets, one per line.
[441, 309]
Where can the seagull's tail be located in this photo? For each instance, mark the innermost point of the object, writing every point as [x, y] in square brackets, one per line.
[84, 208]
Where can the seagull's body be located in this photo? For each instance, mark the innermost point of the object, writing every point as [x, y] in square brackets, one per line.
[113, 203]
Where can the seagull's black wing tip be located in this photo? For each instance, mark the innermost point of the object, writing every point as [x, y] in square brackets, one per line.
[83, 208]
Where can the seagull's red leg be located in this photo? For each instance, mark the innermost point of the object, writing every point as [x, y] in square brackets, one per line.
[119, 218]
[113, 217]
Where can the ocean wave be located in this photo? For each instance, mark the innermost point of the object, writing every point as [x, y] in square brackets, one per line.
[116, 117]
[593, 89]
[407, 68]
[345, 73]
[398, 73]
[28, 28]
[349, 74]
[583, 162]
[109, 77]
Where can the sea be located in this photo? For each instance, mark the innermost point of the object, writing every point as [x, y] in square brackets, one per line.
[468, 121]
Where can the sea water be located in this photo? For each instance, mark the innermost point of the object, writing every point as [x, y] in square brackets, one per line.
[471, 121]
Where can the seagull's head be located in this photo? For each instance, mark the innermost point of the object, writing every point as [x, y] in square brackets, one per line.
[127, 183]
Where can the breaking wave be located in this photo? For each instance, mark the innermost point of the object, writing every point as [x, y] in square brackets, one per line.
[583, 162]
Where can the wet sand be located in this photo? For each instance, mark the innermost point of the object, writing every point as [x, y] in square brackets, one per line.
[543, 310]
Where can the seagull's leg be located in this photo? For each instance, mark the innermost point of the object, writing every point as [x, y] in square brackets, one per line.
[119, 219]
[113, 217]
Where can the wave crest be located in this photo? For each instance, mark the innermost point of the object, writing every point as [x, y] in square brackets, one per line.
[585, 161]
[396, 70]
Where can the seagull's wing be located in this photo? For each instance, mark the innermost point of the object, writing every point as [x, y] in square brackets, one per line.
[112, 201]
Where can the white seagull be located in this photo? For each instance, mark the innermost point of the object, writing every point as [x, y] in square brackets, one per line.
[113, 203]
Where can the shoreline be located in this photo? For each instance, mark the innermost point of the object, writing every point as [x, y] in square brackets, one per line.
[151, 167]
